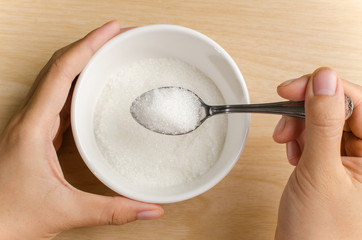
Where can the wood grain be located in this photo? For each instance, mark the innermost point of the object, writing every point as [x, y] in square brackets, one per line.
[271, 41]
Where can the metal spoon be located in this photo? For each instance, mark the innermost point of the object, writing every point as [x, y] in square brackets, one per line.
[287, 108]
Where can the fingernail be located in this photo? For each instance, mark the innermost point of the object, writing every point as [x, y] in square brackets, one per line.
[281, 124]
[149, 215]
[325, 83]
[287, 82]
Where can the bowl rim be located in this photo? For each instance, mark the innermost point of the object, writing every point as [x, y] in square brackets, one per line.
[103, 176]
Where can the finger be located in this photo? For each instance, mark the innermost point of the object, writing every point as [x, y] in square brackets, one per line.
[288, 128]
[92, 210]
[324, 106]
[62, 121]
[293, 152]
[279, 129]
[294, 89]
[352, 145]
[291, 131]
[354, 122]
[50, 96]
[354, 167]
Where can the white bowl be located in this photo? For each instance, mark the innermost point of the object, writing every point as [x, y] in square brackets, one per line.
[155, 41]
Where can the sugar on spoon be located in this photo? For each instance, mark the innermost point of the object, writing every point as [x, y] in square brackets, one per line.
[177, 111]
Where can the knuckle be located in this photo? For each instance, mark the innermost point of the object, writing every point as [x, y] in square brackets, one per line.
[328, 125]
[322, 112]
[59, 67]
[325, 119]
[120, 214]
[118, 219]
[22, 130]
[89, 46]
[57, 64]
[57, 54]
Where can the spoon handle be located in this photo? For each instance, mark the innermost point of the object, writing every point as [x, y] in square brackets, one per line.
[288, 108]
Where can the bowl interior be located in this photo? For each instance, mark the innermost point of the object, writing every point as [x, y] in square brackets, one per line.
[157, 41]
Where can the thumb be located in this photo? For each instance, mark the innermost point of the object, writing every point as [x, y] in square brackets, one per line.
[91, 210]
[325, 116]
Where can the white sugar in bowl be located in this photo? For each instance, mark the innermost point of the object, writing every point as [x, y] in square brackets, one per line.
[158, 41]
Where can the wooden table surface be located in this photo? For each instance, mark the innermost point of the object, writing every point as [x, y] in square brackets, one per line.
[271, 41]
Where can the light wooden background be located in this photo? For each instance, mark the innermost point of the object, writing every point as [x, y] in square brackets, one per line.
[271, 41]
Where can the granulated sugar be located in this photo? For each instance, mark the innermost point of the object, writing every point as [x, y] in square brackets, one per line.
[169, 110]
[150, 159]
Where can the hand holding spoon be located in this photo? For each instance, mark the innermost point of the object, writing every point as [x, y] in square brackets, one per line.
[176, 110]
